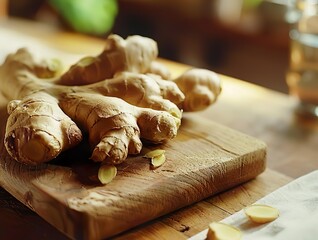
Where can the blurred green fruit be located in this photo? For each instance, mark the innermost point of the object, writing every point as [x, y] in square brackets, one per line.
[88, 16]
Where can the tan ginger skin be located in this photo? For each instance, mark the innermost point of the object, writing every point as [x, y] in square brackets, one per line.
[135, 54]
[138, 55]
[120, 107]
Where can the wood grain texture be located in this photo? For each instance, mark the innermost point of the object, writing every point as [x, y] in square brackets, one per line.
[194, 218]
[269, 116]
[204, 159]
[180, 224]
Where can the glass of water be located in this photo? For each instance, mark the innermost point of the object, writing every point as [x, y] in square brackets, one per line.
[302, 76]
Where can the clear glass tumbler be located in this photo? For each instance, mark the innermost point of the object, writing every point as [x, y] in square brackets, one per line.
[302, 76]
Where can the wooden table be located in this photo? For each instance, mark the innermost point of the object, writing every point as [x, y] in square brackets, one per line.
[253, 110]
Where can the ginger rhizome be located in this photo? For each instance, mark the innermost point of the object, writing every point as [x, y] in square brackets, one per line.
[114, 125]
[138, 54]
[118, 98]
[135, 54]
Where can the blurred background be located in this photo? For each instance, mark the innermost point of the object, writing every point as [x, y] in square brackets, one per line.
[245, 39]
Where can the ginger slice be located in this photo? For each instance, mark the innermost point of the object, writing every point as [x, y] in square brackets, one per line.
[154, 153]
[106, 173]
[157, 157]
[259, 213]
[222, 231]
[158, 160]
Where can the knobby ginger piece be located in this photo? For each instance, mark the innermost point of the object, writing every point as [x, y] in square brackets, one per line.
[117, 98]
[46, 118]
[259, 213]
[222, 231]
[201, 88]
[134, 54]
[137, 54]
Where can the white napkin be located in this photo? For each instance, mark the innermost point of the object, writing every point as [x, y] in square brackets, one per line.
[298, 206]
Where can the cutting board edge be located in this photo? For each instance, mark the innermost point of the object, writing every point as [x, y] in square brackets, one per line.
[91, 234]
[85, 221]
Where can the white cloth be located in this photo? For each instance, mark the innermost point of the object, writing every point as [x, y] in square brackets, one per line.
[297, 203]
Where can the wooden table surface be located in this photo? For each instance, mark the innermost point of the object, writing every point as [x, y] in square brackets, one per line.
[267, 115]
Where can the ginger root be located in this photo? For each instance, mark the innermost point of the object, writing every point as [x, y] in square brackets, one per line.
[39, 125]
[135, 54]
[201, 88]
[125, 101]
[138, 54]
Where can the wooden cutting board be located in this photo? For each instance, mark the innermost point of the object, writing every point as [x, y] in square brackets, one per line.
[204, 159]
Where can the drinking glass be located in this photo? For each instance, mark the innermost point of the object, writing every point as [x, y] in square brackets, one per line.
[302, 76]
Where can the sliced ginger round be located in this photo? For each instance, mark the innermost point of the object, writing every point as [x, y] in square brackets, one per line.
[154, 153]
[261, 213]
[157, 161]
[106, 173]
[157, 157]
[222, 231]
